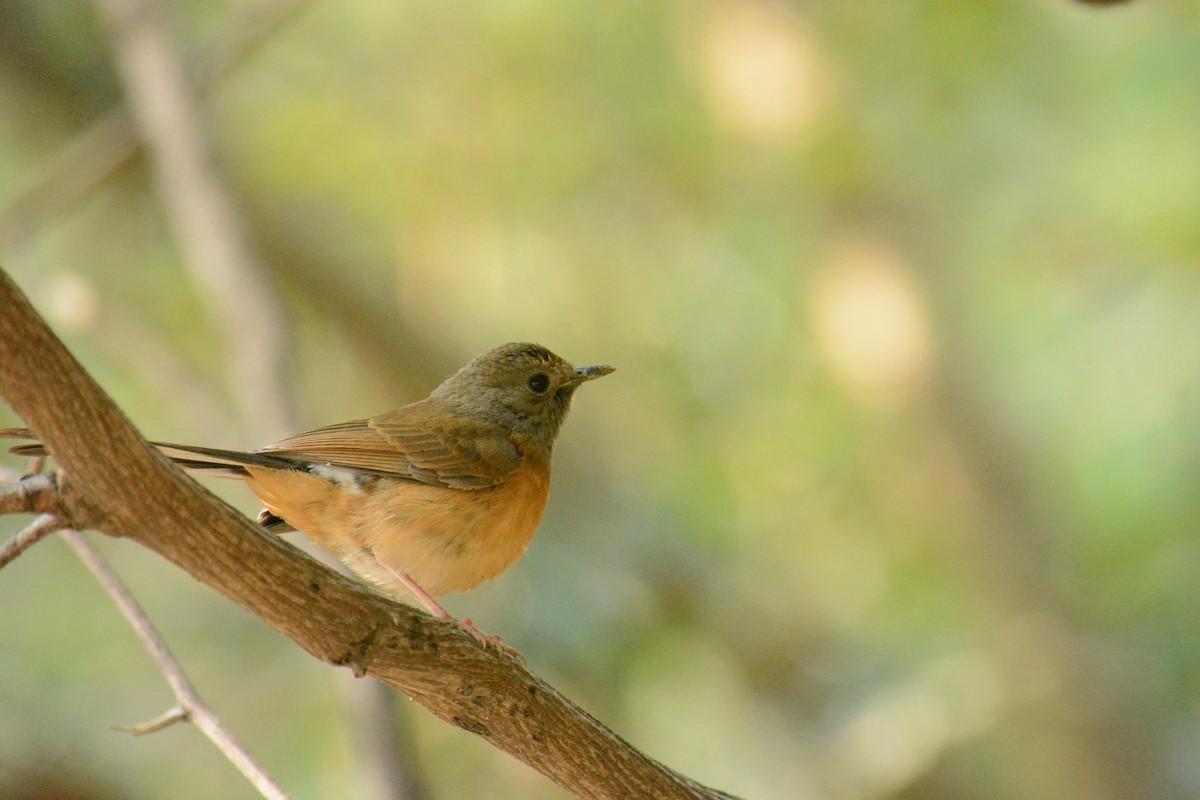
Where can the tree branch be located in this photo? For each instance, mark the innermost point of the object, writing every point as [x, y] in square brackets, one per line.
[121, 486]
[189, 705]
[28, 536]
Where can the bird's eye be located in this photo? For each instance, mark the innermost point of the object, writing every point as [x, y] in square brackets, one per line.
[539, 382]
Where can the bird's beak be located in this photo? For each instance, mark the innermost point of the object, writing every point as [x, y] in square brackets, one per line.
[591, 373]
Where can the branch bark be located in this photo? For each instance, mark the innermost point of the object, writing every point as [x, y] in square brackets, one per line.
[116, 483]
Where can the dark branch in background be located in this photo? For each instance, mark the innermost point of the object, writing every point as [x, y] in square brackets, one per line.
[119, 485]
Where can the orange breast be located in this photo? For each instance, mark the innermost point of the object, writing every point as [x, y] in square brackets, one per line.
[447, 540]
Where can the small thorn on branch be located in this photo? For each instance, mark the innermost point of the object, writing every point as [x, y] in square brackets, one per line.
[176, 713]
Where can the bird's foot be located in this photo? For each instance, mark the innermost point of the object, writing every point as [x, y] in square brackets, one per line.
[487, 640]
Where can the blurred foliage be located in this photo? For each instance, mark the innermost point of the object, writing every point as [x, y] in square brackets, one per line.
[894, 493]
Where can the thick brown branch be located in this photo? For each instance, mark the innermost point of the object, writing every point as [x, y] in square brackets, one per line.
[126, 489]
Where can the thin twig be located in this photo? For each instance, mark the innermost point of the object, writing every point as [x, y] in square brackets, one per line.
[176, 713]
[189, 702]
[28, 536]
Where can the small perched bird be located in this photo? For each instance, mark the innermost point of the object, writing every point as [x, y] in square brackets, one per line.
[436, 497]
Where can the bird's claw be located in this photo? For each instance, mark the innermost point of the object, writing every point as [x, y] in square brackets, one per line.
[487, 640]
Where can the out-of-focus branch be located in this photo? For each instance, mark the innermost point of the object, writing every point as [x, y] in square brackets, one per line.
[196, 401]
[201, 211]
[190, 707]
[89, 158]
[382, 741]
[112, 139]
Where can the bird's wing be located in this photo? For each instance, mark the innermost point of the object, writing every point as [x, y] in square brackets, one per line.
[423, 441]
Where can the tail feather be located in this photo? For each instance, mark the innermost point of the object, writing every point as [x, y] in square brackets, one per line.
[31, 450]
[224, 463]
[209, 460]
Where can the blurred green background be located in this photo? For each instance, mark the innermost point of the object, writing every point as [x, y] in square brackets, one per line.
[894, 494]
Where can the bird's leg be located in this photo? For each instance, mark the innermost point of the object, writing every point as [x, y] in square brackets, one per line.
[435, 608]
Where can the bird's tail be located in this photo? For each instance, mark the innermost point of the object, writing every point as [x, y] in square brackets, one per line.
[207, 460]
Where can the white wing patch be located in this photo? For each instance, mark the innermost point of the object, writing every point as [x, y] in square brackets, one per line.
[349, 479]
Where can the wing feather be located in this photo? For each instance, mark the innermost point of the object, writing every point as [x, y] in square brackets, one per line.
[423, 441]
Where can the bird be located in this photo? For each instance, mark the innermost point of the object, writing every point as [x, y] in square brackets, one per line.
[438, 496]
